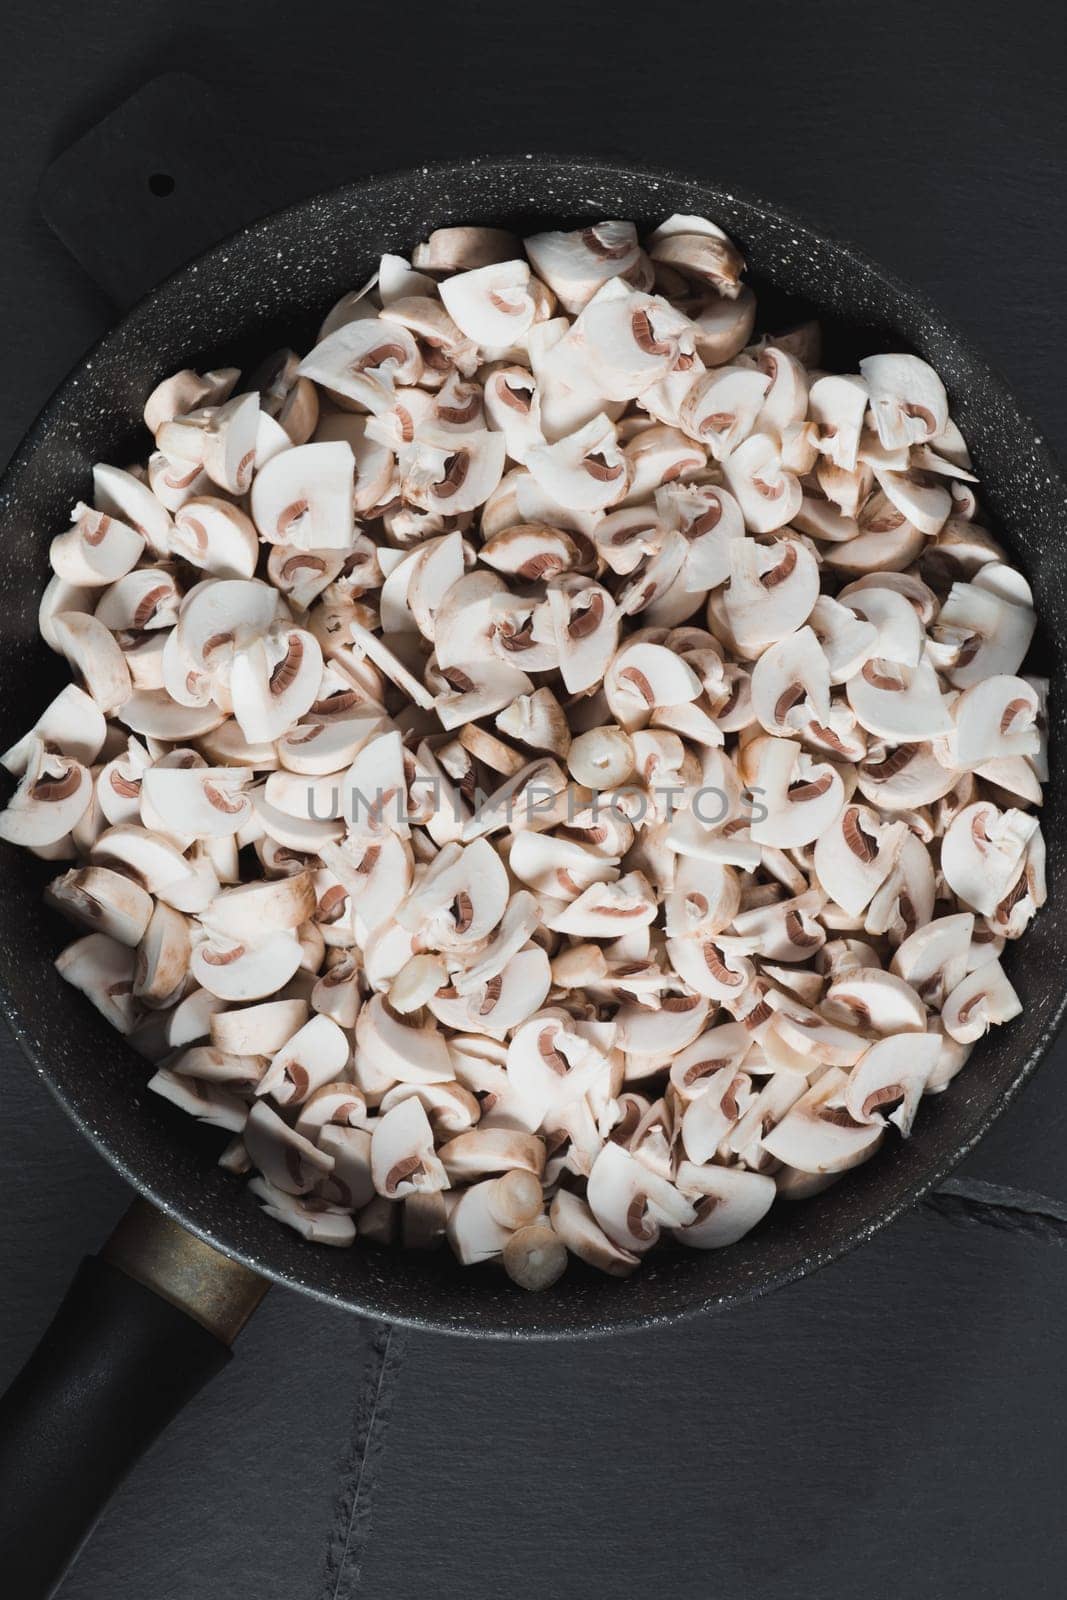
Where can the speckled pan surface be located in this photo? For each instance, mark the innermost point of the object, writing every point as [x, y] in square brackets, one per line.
[269, 286]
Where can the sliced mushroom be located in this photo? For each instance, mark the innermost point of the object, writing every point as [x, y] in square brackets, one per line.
[729, 1202]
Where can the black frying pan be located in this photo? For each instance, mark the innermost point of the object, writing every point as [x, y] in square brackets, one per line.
[269, 286]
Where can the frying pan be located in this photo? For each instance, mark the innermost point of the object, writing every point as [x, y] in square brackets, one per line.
[148, 1321]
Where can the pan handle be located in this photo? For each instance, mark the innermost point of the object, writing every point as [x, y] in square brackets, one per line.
[143, 1327]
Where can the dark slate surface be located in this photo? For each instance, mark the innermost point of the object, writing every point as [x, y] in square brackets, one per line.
[890, 1427]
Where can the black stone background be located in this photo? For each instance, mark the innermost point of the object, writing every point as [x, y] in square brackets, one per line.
[890, 1427]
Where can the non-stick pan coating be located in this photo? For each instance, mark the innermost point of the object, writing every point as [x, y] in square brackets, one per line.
[269, 286]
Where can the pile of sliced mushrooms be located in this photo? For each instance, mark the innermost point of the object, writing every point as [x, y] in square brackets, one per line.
[546, 768]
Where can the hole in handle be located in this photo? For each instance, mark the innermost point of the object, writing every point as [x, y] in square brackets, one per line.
[161, 184]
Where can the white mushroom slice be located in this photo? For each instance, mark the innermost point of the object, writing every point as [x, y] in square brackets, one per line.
[982, 853]
[854, 856]
[284, 1157]
[96, 658]
[207, 1102]
[53, 795]
[257, 1030]
[791, 683]
[575, 1224]
[304, 497]
[768, 494]
[800, 797]
[631, 1203]
[893, 1072]
[59, 597]
[240, 972]
[144, 599]
[716, 1050]
[491, 305]
[575, 265]
[364, 360]
[219, 439]
[902, 704]
[838, 404]
[72, 725]
[201, 802]
[316, 1055]
[477, 690]
[491, 1150]
[337, 1104]
[190, 1020]
[266, 906]
[643, 677]
[729, 1203]
[709, 967]
[723, 327]
[274, 682]
[663, 1032]
[987, 634]
[216, 536]
[318, 747]
[606, 909]
[919, 497]
[704, 897]
[983, 997]
[847, 640]
[819, 1135]
[462, 249]
[472, 1230]
[700, 250]
[905, 900]
[104, 901]
[513, 405]
[630, 340]
[159, 865]
[103, 970]
[561, 868]
[721, 408]
[908, 399]
[877, 1001]
[771, 592]
[721, 1099]
[209, 1065]
[905, 778]
[121, 495]
[586, 469]
[312, 1218]
[376, 650]
[162, 957]
[995, 719]
[97, 550]
[933, 959]
[538, 721]
[184, 391]
[521, 919]
[405, 1053]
